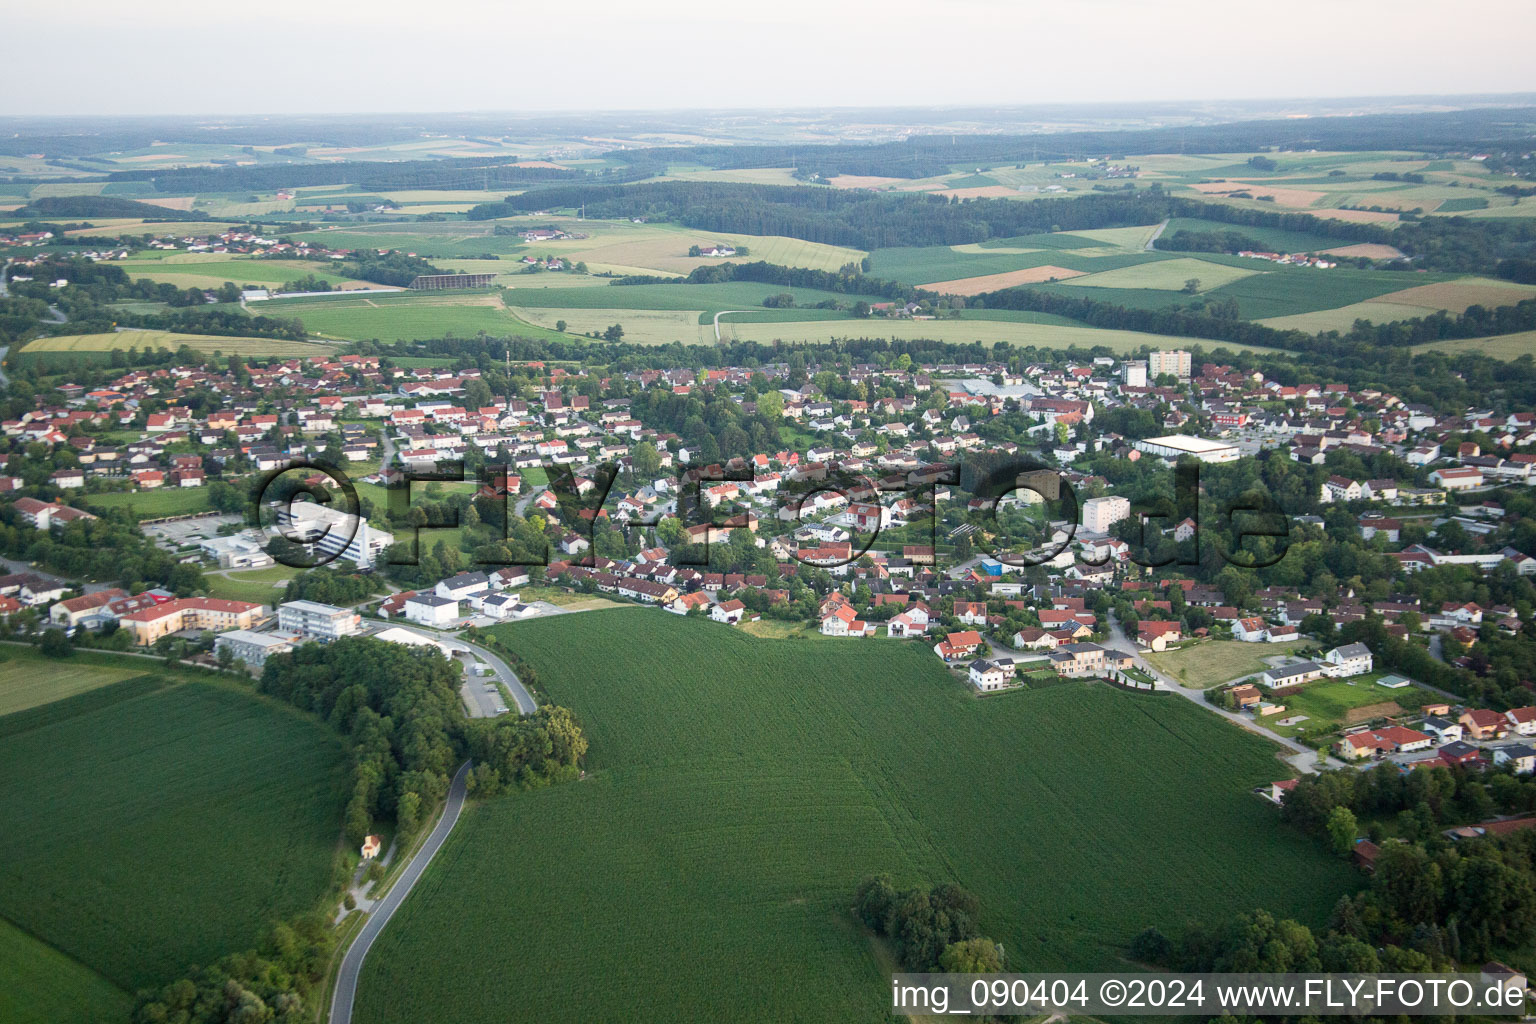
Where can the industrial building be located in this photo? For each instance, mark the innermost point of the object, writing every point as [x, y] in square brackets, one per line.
[1172, 446]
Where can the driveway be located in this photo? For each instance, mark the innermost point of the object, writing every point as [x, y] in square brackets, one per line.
[352, 962]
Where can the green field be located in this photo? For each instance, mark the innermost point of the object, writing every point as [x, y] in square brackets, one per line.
[1327, 703]
[1167, 275]
[1502, 346]
[641, 326]
[40, 985]
[162, 501]
[159, 823]
[205, 343]
[965, 331]
[738, 788]
[928, 264]
[1275, 239]
[28, 679]
[406, 317]
[1207, 664]
[1283, 291]
[263, 586]
[213, 270]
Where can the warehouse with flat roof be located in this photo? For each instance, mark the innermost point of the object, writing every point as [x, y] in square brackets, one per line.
[1173, 446]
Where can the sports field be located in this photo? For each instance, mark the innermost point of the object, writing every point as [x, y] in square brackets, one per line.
[205, 343]
[158, 823]
[738, 788]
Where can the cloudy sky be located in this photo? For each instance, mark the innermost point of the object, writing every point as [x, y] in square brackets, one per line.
[316, 56]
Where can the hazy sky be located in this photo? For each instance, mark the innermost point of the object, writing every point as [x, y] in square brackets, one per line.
[321, 56]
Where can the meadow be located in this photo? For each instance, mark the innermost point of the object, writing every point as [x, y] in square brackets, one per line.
[160, 822]
[1208, 664]
[737, 790]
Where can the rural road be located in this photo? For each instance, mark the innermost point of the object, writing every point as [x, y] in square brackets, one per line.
[526, 705]
[352, 962]
[1152, 242]
[1302, 758]
[722, 313]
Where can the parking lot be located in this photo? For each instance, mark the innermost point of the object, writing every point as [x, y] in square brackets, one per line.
[176, 534]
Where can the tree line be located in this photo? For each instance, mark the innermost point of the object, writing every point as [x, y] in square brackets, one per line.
[922, 156]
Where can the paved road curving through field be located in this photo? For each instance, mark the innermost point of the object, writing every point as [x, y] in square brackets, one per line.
[352, 962]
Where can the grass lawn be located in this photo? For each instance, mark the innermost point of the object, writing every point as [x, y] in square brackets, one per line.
[163, 822]
[163, 501]
[739, 788]
[1206, 664]
[27, 679]
[263, 586]
[40, 985]
[1331, 703]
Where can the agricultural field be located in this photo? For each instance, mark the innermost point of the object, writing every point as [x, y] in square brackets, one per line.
[1213, 662]
[1502, 346]
[210, 814]
[28, 680]
[641, 327]
[707, 298]
[1168, 275]
[405, 317]
[208, 344]
[964, 331]
[1406, 303]
[40, 985]
[195, 270]
[740, 787]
